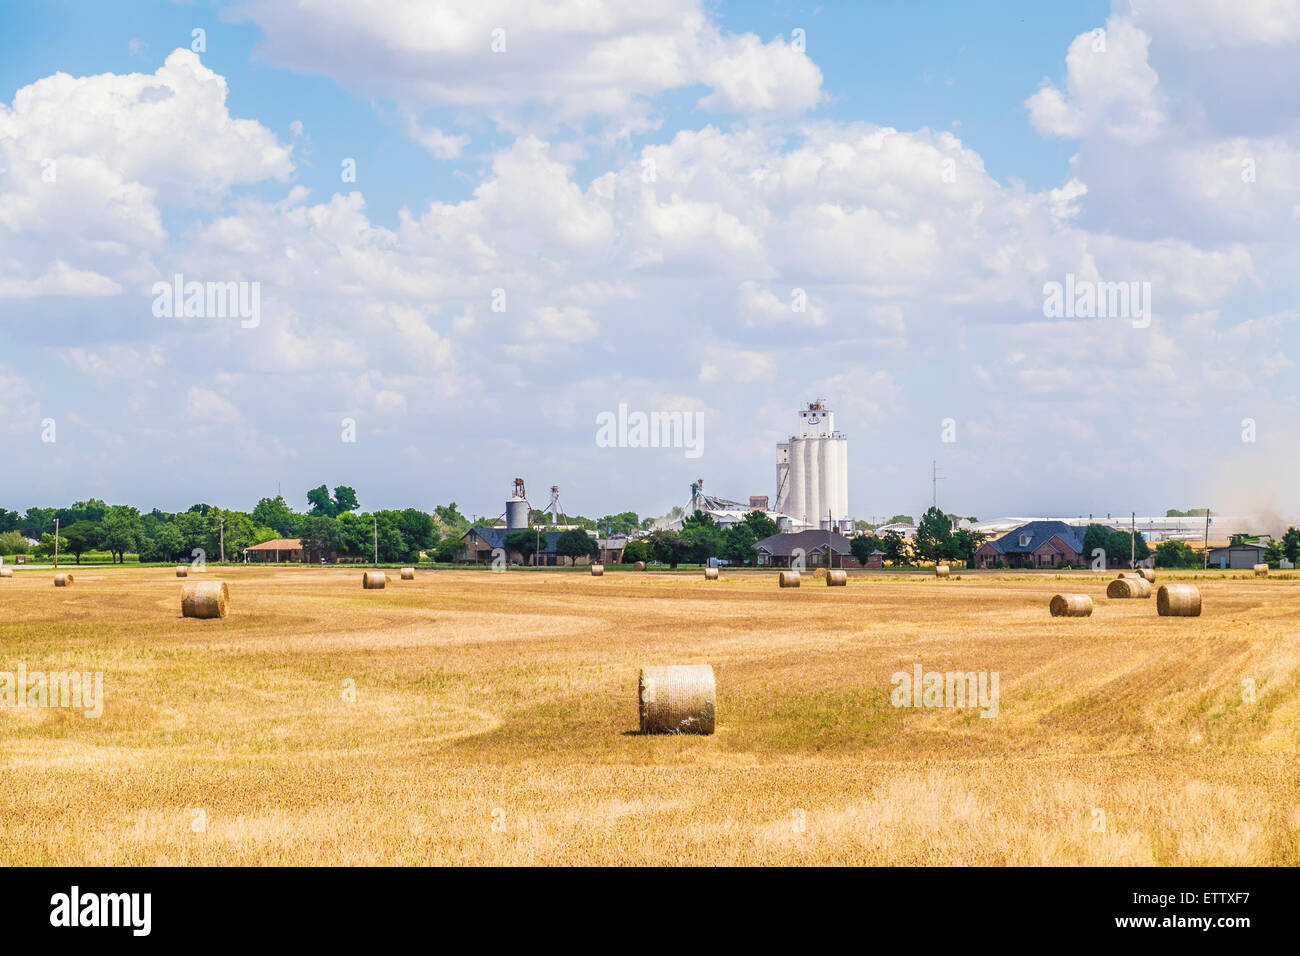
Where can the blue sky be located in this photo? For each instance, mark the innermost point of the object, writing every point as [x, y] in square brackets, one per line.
[524, 171]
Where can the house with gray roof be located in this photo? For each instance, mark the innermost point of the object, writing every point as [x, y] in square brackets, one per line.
[780, 550]
[1038, 544]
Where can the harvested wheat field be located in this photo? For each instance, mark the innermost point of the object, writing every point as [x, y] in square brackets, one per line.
[480, 718]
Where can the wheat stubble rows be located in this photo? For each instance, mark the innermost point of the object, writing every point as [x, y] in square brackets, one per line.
[490, 719]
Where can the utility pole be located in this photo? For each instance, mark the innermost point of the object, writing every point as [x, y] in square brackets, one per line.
[935, 478]
[1205, 554]
[223, 540]
[376, 519]
[830, 540]
[56, 543]
[1132, 540]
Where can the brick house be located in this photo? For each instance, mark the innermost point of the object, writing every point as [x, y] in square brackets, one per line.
[778, 551]
[1039, 544]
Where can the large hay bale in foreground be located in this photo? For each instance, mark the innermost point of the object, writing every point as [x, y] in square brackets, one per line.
[1129, 588]
[182, 571]
[62, 580]
[6, 572]
[710, 574]
[408, 574]
[837, 579]
[205, 599]
[677, 699]
[1071, 605]
[372, 580]
[1178, 600]
[638, 566]
[789, 579]
[941, 571]
[1261, 570]
[597, 570]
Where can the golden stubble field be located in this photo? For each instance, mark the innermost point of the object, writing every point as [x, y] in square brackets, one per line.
[478, 718]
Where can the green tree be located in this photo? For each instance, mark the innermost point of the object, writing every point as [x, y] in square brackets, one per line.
[345, 499]
[386, 529]
[166, 544]
[895, 547]
[276, 513]
[122, 531]
[862, 546]
[418, 530]
[933, 535]
[46, 548]
[738, 544]
[12, 542]
[9, 520]
[322, 505]
[761, 525]
[82, 536]
[1291, 544]
[525, 542]
[576, 543]
[1176, 554]
[36, 522]
[964, 544]
[624, 522]
[636, 551]
[1273, 554]
[321, 537]
[667, 547]
[901, 519]
[702, 538]
[448, 549]
[451, 523]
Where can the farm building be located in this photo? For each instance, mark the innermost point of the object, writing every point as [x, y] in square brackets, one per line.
[778, 550]
[1237, 556]
[480, 542]
[281, 549]
[1038, 544]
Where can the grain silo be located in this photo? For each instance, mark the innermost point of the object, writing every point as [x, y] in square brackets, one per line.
[812, 469]
[518, 511]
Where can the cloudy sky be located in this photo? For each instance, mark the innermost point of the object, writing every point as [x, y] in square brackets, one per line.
[476, 224]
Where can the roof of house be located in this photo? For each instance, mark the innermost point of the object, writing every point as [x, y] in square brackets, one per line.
[1039, 533]
[811, 541]
[495, 537]
[279, 544]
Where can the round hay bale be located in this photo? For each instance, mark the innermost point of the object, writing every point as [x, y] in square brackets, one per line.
[1261, 570]
[1071, 605]
[374, 579]
[837, 579]
[1141, 586]
[1129, 574]
[408, 574]
[6, 572]
[1119, 588]
[819, 573]
[182, 571]
[941, 571]
[789, 579]
[62, 580]
[204, 600]
[677, 699]
[639, 566]
[1148, 573]
[597, 570]
[1178, 600]
[710, 574]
